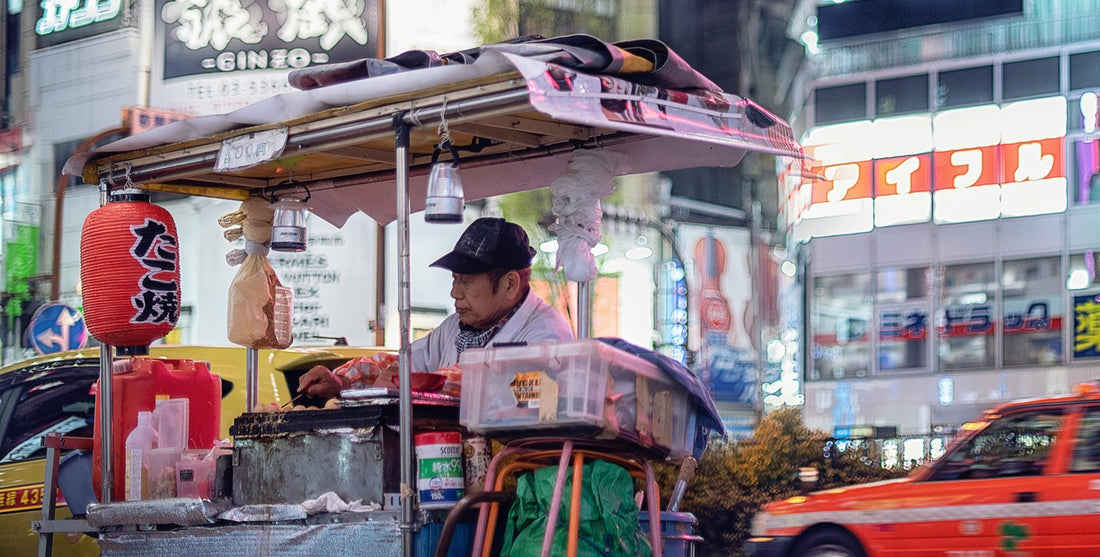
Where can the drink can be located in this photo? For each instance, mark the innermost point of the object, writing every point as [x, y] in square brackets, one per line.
[477, 453]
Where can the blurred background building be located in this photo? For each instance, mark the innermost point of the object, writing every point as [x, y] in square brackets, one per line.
[946, 236]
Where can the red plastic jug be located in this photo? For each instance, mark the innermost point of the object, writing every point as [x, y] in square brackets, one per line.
[137, 390]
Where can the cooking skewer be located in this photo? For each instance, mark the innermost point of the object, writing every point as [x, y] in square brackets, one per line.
[292, 401]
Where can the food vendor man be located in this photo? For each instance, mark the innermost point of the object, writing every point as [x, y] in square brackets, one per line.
[490, 284]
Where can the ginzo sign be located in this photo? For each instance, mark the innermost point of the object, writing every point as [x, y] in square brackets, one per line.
[221, 36]
[970, 164]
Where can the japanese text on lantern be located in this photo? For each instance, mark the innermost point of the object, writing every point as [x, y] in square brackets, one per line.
[155, 248]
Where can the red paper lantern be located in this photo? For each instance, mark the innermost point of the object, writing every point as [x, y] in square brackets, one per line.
[129, 272]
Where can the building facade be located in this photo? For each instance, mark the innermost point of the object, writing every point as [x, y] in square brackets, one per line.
[946, 230]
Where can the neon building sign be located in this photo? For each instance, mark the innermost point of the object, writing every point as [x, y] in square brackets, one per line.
[969, 164]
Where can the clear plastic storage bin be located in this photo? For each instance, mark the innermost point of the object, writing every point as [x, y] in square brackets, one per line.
[582, 387]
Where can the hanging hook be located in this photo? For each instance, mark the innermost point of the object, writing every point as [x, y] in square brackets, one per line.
[443, 129]
[446, 144]
[128, 176]
[270, 193]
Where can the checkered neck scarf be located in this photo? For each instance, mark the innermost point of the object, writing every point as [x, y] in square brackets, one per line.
[469, 337]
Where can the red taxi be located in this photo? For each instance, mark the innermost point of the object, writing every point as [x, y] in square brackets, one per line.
[1023, 480]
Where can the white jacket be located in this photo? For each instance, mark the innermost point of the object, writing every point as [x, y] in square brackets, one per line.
[534, 321]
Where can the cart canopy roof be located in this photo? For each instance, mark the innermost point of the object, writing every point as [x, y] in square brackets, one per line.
[515, 111]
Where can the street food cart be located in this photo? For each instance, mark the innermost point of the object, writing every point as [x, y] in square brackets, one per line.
[362, 137]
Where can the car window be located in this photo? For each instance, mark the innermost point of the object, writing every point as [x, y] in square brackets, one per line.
[57, 401]
[1014, 445]
[1086, 447]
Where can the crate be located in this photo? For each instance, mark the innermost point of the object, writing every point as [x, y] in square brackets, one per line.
[584, 388]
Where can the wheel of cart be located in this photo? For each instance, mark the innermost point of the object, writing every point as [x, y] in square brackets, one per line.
[567, 454]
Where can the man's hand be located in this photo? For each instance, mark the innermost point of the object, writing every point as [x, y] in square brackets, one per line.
[321, 382]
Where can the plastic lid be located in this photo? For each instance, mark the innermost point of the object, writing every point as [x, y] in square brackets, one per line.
[144, 416]
[438, 438]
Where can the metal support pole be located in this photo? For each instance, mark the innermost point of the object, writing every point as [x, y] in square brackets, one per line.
[584, 309]
[106, 415]
[106, 401]
[755, 328]
[251, 378]
[404, 362]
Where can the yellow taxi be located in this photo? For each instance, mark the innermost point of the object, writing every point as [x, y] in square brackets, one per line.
[54, 394]
[1023, 480]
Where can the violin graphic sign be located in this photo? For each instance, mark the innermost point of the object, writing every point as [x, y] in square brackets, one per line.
[721, 296]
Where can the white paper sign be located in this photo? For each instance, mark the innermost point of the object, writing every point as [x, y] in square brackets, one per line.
[250, 150]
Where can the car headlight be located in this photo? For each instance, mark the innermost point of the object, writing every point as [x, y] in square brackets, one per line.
[760, 524]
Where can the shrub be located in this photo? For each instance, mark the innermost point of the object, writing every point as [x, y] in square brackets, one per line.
[734, 479]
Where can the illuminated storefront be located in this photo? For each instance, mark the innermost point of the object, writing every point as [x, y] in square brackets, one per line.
[947, 229]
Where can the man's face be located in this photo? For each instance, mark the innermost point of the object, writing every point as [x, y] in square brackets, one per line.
[475, 302]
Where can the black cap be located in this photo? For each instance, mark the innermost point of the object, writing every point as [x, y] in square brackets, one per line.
[488, 243]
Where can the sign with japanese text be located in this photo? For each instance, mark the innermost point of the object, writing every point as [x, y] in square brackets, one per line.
[963, 320]
[903, 175]
[903, 336]
[61, 21]
[22, 498]
[213, 57]
[1036, 316]
[899, 324]
[141, 118]
[157, 298]
[223, 36]
[246, 151]
[965, 168]
[1086, 333]
[903, 189]
[846, 181]
[973, 164]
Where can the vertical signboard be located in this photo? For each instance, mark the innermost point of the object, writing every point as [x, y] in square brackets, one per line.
[721, 293]
[1086, 334]
[215, 56]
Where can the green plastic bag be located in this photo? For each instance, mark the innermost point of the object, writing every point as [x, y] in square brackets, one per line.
[609, 518]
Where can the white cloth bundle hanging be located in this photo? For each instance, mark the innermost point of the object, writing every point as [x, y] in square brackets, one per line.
[589, 177]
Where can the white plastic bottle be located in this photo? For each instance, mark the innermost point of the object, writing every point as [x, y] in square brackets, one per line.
[141, 440]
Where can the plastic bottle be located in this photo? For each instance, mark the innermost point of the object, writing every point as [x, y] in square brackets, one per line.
[141, 440]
